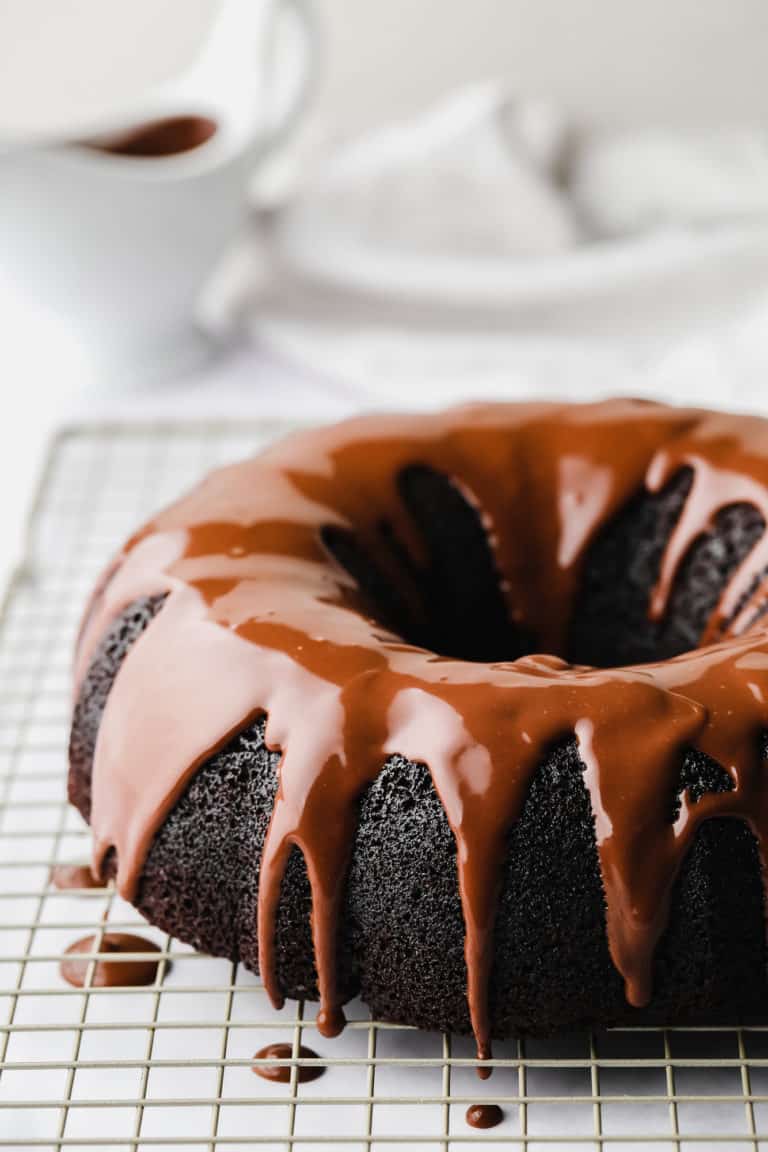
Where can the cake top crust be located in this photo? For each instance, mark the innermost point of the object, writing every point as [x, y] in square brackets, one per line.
[260, 618]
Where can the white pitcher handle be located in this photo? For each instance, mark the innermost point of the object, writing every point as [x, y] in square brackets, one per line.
[296, 101]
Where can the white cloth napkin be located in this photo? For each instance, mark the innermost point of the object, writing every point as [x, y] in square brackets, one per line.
[473, 177]
[487, 173]
[625, 182]
[493, 246]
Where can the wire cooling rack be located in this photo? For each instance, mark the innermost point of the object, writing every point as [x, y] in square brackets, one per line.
[169, 1066]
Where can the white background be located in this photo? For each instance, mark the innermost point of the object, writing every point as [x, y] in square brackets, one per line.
[689, 62]
[686, 62]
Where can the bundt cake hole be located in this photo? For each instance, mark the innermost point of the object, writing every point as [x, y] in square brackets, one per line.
[759, 608]
[460, 584]
[453, 603]
[382, 598]
[612, 626]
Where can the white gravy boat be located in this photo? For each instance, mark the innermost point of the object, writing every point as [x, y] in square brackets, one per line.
[118, 233]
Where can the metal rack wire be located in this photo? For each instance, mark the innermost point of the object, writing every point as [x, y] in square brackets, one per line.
[169, 1066]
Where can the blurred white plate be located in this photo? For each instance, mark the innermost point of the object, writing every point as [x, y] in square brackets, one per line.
[464, 210]
[602, 267]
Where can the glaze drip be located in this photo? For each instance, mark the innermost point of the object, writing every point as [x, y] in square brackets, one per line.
[114, 973]
[281, 1073]
[75, 876]
[260, 618]
[484, 1115]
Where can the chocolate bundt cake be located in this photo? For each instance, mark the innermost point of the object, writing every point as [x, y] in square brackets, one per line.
[464, 712]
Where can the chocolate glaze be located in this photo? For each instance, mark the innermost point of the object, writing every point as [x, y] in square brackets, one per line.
[168, 137]
[107, 973]
[281, 1073]
[75, 876]
[484, 1115]
[261, 619]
